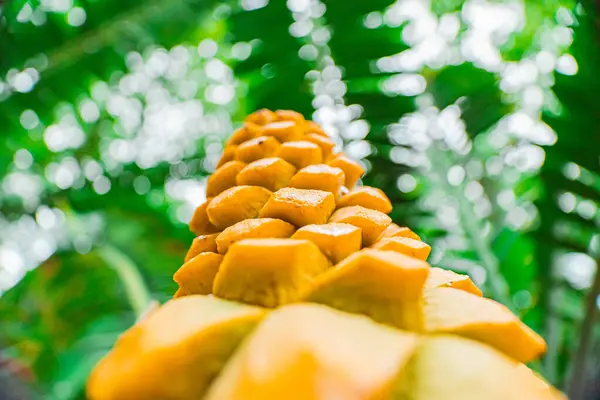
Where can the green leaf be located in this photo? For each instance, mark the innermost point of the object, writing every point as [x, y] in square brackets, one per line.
[475, 90]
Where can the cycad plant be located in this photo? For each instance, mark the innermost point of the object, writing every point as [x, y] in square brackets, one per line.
[115, 113]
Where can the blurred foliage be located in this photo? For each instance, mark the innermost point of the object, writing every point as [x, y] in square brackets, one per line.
[115, 112]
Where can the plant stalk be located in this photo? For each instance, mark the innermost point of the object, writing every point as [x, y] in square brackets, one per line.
[580, 358]
[137, 292]
[470, 223]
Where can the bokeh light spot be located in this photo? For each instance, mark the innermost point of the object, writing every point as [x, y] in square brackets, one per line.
[406, 183]
[101, 185]
[567, 65]
[23, 159]
[29, 119]
[76, 16]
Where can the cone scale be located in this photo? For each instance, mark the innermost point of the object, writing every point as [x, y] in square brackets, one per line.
[300, 286]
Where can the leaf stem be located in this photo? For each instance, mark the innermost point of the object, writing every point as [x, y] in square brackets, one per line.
[135, 287]
[553, 329]
[470, 224]
[580, 358]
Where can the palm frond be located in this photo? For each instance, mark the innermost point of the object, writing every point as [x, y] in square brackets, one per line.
[571, 182]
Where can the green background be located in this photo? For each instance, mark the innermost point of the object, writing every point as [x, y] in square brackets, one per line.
[479, 119]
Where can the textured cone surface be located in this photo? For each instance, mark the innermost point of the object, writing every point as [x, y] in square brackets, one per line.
[202, 244]
[271, 173]
[253, 229]
[367, 197]
[174, 353]
[439, 277]
[384, 285]
[197, 275]
[269, 272]
[453, 311]
[317, 352]
[371, 222]
[404, 245]
[287, 221]
[449, 368]
[336, 241]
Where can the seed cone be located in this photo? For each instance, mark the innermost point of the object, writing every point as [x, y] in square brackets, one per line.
[299, 286]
